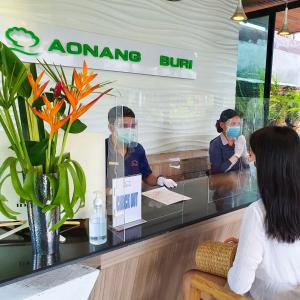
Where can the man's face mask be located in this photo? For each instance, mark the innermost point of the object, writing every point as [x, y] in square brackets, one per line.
[126, 135]
[126, 129]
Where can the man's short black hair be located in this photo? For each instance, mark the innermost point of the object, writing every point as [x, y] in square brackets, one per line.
[119, 112]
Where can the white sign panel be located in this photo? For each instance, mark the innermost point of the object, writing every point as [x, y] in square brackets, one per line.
[126, 200]
[67, 47]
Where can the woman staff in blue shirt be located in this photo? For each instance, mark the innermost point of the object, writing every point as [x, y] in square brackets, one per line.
[228, 151]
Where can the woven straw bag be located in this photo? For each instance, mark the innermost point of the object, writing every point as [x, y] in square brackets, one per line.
[215, 257]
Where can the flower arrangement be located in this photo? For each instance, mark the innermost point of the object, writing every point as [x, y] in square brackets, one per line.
[31, 119]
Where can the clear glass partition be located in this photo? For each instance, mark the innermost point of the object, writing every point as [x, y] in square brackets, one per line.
[251, 69]
[151, 138]
[252, 53]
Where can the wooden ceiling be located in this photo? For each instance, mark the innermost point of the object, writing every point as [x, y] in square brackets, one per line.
[255, 5]
[294, 14]
[294, 20]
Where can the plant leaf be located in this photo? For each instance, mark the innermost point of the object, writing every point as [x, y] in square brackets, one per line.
[16, 181]
[63, 74]
[65, 157]
[6, 164]
[80, 174]
[60, 223]
[2, 181]
[13, 68]
[53, 183]
[49, 70]
[37, 151]
[78, 191]
[76, 127]
[29, 187]
[5, 210]
[62, 197]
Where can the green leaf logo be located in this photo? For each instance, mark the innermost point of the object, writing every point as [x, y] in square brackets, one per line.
[22, 39]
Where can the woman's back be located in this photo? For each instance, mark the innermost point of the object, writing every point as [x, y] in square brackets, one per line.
[268, 268]
[267, 262]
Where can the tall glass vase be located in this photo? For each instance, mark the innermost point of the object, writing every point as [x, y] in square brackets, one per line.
[44, 241]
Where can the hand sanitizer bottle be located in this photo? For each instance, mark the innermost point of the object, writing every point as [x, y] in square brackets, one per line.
[97, 222]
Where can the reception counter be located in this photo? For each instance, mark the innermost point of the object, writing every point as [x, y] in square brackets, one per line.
[146, 261]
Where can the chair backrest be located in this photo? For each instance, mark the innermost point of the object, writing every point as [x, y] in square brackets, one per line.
[216, 291]
[215, 257]
[197, 285]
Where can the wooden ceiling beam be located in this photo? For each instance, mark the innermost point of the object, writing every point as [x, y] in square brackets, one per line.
[256, 8]
[258, 5]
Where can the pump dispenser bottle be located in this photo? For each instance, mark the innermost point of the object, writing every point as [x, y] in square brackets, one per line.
[98, 222]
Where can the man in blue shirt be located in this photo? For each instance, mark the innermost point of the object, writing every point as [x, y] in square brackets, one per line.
[124, 156]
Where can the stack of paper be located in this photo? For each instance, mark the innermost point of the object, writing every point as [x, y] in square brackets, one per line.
[165, 196]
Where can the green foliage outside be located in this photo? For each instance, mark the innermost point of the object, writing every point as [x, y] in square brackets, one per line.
[283, 103]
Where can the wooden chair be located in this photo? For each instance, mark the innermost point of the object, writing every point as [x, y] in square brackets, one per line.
[212, 258]
[199, 285]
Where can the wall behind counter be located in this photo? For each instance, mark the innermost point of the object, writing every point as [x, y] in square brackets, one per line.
[174, 114]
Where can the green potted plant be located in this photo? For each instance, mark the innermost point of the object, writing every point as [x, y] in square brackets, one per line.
[41, 172]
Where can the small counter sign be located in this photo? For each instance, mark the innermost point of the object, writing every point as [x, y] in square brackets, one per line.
[127, 202]
[67, 47]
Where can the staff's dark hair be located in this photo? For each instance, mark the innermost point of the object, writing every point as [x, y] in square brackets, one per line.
[119, 112]
[224, 117]
[277, 152]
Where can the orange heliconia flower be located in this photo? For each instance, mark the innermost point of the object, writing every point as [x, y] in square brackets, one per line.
[36, 88]
[50, 115]
[81, 90]
[83, 79]
[84, 108]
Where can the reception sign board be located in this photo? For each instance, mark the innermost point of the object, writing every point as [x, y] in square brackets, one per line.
[67, 47]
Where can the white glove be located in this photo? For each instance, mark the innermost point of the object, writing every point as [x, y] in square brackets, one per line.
[163, 181]
[240, 146]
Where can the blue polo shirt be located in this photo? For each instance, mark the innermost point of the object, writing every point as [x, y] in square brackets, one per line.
[135, 162]
[219, 153]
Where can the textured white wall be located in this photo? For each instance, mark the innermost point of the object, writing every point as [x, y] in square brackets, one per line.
[173, 114]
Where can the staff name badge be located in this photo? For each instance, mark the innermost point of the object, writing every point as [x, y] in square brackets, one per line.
[127, 202]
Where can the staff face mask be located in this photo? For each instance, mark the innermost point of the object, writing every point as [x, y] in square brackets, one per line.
[233, 131]
[126, 135]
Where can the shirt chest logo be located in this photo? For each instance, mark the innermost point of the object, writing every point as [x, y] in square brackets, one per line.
[134, 163]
